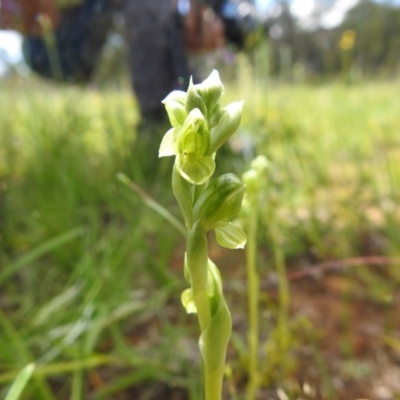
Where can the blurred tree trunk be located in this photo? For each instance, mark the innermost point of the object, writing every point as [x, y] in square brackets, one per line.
[158, 62]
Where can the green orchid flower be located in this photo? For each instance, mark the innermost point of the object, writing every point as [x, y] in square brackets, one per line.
[217, 206]
[199, 127]
[190, 143]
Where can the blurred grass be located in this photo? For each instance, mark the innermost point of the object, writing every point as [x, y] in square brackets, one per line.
[89, 276]
[334, 153]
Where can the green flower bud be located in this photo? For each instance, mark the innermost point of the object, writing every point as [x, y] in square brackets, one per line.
[260, 164]
[251, 180]
[194, 137]
[216, 115]
[220, 202]
[211, 90]
[175, 106]
[193, 143]
[255, 177]
[229, 121]
[194, 100]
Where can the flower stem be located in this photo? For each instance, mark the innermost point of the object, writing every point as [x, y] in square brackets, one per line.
[197, 260]
[182, 190]
[213, 384]
[253, 300]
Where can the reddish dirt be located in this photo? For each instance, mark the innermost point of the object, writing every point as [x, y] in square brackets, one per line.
[356, 336]
[355, 350]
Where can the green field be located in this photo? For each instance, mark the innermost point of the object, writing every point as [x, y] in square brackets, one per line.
[91, 276]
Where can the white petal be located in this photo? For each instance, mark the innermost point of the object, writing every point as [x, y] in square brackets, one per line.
[167, 146]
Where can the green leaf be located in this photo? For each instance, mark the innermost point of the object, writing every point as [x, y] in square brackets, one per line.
[230, 236]
[194, 170]
[168, 146]
[188, 301]
[214, 339]
[20, 383]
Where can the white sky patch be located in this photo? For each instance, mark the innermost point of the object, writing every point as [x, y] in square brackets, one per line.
[10, 44]
[304, 12]
[302, 8]
[263, 5]
[10, 50]
[335, 16]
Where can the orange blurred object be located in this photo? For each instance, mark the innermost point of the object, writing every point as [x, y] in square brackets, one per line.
[23, 15]
[204, 30]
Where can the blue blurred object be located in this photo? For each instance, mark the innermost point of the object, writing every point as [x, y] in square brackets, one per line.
[240, 19]
[183, 7]
[78, 42]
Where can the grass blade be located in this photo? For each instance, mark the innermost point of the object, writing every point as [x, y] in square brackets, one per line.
[20, 383]
[153, 204]
[39, 251]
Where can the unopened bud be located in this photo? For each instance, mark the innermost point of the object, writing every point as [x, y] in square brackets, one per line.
[175, 106]
[220, 202]
[251, 180]
[255, 177]
[229, 121]
[211, 90]
[260, 164]
[194, 100]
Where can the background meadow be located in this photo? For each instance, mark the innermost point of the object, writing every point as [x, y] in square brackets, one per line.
[91, 275]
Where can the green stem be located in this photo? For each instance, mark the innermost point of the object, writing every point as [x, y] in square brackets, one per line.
[284, 295]
[52, 52]
[197, 260]
[213, 380]
[253, 301]
[182, 190]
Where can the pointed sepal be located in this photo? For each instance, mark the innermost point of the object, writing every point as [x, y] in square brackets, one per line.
[230, 236]
[168, 144]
